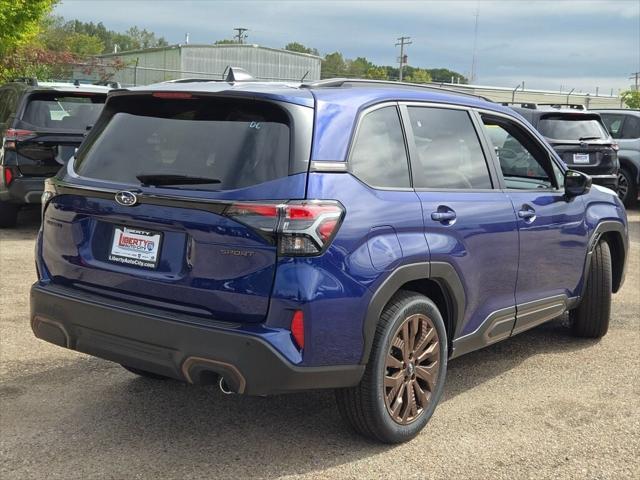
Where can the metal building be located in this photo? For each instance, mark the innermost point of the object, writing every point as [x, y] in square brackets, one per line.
[522, 95]
[153, 65]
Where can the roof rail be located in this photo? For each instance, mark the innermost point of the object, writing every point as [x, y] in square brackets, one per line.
[31, 81]
[192, 80]
[364, 82]
[571, 106]
[108, 83]
[529, 105]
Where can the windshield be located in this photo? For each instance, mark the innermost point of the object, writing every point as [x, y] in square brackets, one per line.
[572, 128]
[238, 143]
[66, 111]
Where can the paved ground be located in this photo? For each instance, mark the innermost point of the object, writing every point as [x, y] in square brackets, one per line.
[540, 405]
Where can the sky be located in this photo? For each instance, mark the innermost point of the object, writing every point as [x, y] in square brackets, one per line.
[548, 44]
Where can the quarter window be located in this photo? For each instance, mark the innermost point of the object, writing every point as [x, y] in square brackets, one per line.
[379, 156]
[448, 151]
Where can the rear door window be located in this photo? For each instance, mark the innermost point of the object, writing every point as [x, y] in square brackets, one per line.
[614, 124]
[631, 128]
[63, 111]
[379, 156]
[448, 150]
[235, 143]
[572, 127]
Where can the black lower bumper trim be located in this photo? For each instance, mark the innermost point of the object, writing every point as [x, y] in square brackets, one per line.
[160, 344]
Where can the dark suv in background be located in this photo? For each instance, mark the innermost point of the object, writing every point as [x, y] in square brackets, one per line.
[624, 126]
[41, 125]
[579, 137]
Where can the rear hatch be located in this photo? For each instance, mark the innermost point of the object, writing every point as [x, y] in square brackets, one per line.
[173, 202]
[51, 126]
[581, 140]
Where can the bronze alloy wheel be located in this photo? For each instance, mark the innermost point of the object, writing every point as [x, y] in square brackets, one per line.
[411, 369]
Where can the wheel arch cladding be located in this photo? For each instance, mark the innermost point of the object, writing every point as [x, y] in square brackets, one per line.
[618, 255]
[615, 234]
[437, 280]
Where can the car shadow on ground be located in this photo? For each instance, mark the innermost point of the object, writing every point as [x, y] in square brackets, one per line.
[112, 409]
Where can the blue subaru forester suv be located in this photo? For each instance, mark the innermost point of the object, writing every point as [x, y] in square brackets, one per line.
[343, 234]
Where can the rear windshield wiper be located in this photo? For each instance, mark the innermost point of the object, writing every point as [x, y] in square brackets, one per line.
[160, 179]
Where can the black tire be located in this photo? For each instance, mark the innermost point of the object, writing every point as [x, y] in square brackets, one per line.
[364, 407]
[8, 214]
[144, 373]
[627, 188]
[591, 318]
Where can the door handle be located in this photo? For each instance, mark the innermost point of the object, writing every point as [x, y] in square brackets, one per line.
[446, 216]
[527, 213]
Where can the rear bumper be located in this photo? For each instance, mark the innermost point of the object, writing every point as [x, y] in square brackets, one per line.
[147, 340]
[23, 190]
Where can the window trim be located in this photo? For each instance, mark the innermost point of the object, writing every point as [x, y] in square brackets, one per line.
[528, 131]
[354, 137]
[413, 155]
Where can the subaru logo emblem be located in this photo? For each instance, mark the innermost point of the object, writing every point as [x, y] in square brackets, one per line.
[127, 199]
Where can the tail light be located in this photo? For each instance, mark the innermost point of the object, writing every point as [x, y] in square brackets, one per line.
[297, 328]
[7, 176]
[13, 135]
[301, 229]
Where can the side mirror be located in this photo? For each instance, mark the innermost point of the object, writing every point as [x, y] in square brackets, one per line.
[576, 183]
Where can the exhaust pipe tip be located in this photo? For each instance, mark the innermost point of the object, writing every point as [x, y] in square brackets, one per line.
[224, 388]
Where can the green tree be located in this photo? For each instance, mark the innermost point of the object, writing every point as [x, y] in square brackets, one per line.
[631, 98]
[445, 75]
[20, 22]
[333, 65]
[300, 48]
[359, 67]
[84, 45]
[377, 73]
[144, 38]
[418, 75]
[225, 41]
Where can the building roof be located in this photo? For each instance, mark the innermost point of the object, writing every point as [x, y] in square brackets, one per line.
[206, 45]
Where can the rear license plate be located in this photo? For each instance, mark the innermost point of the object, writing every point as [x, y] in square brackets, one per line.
[138, 248]
[580, 158]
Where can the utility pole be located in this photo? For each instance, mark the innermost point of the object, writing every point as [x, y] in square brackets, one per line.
[635, 76]
[402, 41]
[241, 36]
[474, 60]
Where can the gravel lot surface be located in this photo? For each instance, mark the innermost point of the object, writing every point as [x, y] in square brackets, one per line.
[540, 405]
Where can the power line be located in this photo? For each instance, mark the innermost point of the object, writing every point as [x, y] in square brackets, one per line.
[402, 60]
[241, 36]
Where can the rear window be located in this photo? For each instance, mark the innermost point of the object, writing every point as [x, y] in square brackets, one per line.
[66, 111]
[572, 128]
[236, 142]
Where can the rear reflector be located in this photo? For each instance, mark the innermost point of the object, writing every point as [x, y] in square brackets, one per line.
[297, 328]
[173, 95]
[7, 175]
